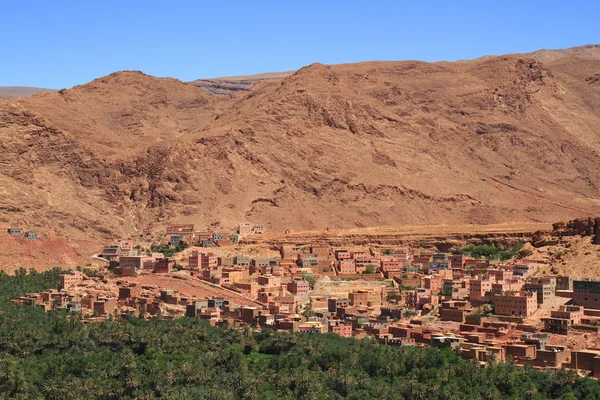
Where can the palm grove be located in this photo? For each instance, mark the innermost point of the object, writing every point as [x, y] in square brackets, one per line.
[55, 356]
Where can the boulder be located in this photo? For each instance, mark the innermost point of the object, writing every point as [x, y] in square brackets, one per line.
[526, 251]
[541, 238]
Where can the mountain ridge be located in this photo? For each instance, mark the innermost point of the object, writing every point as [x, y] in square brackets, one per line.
[228, 85]
[9, 92]
[378, 143]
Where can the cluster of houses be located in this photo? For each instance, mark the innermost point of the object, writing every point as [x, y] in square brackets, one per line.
[486, 338]
[498, 341]
[186, 233]
[89, 296]
[424, 280]
[133, 264]
[362, 313]
[478, 306]
[64, 298]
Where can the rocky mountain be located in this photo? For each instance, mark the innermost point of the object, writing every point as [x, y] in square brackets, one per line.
[378, 143]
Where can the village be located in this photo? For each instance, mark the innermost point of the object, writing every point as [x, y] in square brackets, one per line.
[485, 308]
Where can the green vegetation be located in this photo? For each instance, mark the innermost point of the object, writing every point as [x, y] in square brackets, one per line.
[55, 356]
[487, 251]
[87, 271]
[12, 286]
[409, 313]
[310, 278]
[177, 267]
[391, 296]
[308, 311]
[406, 287]
[445, 293]
[370, 269]
[475, 317]
[508, 254]
[387, 252]
[169, 251]
[488, 309]
[492, 252]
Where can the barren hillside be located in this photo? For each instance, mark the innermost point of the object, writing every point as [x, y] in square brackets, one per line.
[379, 143]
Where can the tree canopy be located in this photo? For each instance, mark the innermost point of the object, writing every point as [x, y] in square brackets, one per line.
[55, 356]
[491, 252]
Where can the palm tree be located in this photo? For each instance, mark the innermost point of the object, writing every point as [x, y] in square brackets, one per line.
[530, 392]
[451, 392]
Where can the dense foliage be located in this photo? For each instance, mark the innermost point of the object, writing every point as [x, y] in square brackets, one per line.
[12, 286]
[310, 278]
[169, 251]
[492, 252]
[55, 356]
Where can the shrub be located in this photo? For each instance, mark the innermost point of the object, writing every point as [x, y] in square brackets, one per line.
[310, 278]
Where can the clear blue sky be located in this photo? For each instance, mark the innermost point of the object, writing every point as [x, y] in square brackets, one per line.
[59, 44]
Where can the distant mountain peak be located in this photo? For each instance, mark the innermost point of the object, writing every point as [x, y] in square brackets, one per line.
[20, 91]
[586, 51]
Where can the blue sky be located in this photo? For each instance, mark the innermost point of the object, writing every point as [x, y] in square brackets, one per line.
[65, 43]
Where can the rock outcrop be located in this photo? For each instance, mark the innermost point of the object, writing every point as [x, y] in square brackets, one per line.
[581, 227]
[525, 251]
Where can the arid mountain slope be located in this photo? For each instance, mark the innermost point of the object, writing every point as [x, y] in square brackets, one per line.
[379, 143]
[125, 112]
